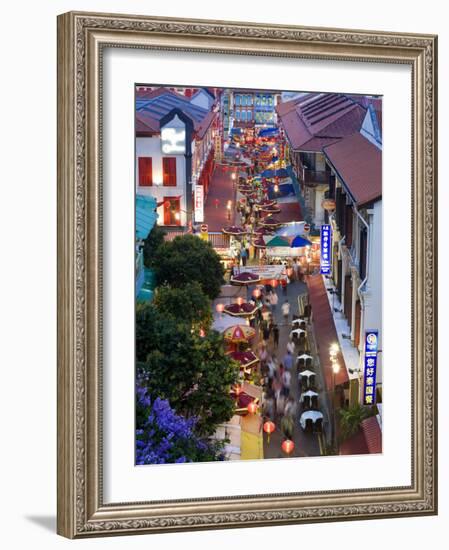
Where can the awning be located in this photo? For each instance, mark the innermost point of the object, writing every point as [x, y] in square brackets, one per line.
[368, 440]
[325, 331]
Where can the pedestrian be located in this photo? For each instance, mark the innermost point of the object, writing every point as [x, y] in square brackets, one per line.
[296, 269]
[243, 255]
[275, 330]
[290, 408]
[266, 331]
[287, 360]
[286, 310]
[280, 403]
[268, 405]
[284, 285]
[273, 300]
[286, 379]
[287, 427]
[290, 345]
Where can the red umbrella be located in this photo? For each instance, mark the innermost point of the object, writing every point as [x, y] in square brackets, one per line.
[270, 209]
[241, 310]
[234, 230]
[259, 243]
[270, 222]
[238, 334]
[245, 278]
[260, 231]
[265, 202]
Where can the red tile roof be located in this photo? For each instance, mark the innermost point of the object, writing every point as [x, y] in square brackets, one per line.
[373, 434]
[316, 120]
[368, 439]
[325, 331]
[359, 164]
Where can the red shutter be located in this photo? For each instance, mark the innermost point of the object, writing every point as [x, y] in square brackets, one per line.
[145, 171]
[169, 171]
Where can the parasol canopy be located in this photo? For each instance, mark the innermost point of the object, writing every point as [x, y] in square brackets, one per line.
[270, 209]
[299, 242]
[270, 222]
[245, 278]
[234, 230]
[278, 241]
[241, 310]
[261, 231]
[259, 243]
[239, 334]
[265, 202]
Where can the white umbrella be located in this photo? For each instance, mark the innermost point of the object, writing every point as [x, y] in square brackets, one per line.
[307, 373]
[297, 331]
[312, 415]
[298, 321]
[309, 393]
[304, 356]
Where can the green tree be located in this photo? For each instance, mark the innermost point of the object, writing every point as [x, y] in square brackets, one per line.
[192, 372]
[351, 418]
[151, 244]
[188, 304]
[188, 258]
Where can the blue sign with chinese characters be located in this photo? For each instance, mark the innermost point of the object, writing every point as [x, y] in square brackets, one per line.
[326, 249]
[370, 366]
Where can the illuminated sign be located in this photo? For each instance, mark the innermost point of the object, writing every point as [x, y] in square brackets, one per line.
[326, 249]
[199, 203]
[370, 367]
[173, 141]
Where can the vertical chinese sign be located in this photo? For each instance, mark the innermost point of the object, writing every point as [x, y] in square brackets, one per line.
[370, 366]
[326, 249]
[199, 203]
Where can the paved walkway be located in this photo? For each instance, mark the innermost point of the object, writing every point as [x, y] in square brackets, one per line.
[222, 189]
[305, 444]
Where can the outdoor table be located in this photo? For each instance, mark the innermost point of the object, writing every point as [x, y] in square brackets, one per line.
[299, 320]
[312, 415]
[306, 373]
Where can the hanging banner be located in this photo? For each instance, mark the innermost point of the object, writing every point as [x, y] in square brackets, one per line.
[326, 249]
[370, 367]
[199, 203]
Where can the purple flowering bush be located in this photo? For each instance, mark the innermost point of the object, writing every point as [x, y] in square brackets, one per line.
[164, 437]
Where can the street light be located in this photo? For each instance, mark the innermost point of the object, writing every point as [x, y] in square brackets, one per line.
[335, 371]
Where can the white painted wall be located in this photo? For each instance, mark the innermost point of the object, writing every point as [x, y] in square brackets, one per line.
[151, 147]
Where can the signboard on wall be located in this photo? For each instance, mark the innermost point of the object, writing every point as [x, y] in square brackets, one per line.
[370, 367]
[173, 141]
[199, 203]
[326, 249]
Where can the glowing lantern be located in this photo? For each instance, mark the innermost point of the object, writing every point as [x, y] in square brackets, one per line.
[287, 446]
[220, 308]
[256, 293]
[269, 428]
[202, 333]
[240, 300]
[274, 283]
[276, 188]
[252, 408]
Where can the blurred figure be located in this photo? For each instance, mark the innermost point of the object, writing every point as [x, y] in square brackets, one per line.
[286, 310]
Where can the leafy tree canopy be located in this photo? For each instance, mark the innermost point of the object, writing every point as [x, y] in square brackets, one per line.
[188, 258]
[151, 244]
[187, 305]
[162, 436]
[191, 371]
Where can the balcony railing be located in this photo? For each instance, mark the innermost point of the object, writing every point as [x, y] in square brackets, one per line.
[312, 178]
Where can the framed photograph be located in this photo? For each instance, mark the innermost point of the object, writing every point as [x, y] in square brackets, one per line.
[246, 274]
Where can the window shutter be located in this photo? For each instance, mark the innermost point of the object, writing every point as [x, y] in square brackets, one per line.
[169, 171]
[145, 171]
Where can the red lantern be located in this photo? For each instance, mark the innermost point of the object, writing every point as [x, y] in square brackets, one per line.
[287, 446]
[256, 293]
[240, 300]
[202, 333]
[252, 408]
[219, 308]
[269, 428]
[274, 283]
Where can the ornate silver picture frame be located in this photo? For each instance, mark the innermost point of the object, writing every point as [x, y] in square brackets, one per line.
[82, 38]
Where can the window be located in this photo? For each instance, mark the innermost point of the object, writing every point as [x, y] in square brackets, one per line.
[237, 115]
[172, 214]
[169, 171]
[237, 100]
[243, 115]
[145, 171]
[248, 115]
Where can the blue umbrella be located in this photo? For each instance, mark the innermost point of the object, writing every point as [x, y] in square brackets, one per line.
[299, 241]
[281, 173]
[268, 132]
